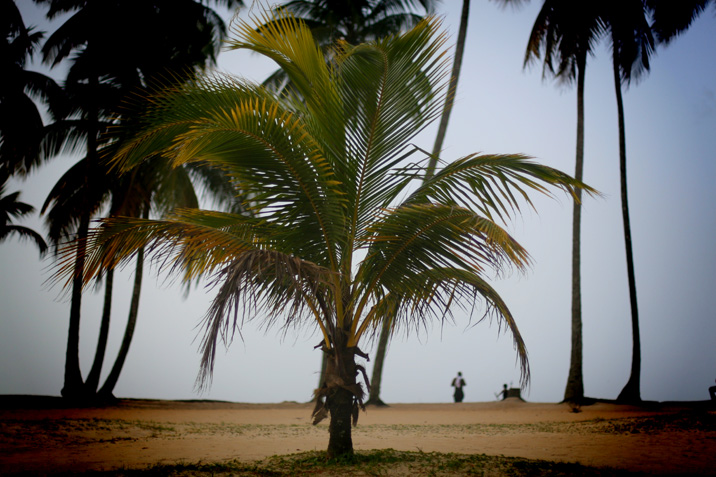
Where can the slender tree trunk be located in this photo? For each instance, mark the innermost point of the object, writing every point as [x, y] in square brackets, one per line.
[108, 387]
[377, 376]
[73, 385]
[574, 392]
[631, 392]
[93, 378]
[452, 91]
[73, 388]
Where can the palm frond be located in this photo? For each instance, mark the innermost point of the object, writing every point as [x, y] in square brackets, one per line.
[495, 184]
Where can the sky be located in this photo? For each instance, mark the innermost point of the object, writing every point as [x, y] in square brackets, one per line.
[500, 108]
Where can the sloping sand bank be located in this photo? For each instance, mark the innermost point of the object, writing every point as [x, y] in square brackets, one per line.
[658, 439]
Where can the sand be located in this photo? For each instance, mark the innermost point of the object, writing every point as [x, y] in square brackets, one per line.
[656, 439]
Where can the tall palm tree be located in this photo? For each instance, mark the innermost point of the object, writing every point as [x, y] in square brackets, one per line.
[106, 68]
[385, 332]
[632, 45]
[329, 243]
[563, 36]
[21, 125]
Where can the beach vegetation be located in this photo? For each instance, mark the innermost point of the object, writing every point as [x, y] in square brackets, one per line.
[340, 229]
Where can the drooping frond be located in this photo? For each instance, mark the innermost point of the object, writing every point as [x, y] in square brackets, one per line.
[279, 288]
[495, 184]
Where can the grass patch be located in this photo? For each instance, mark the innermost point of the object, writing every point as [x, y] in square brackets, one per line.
[387, 463]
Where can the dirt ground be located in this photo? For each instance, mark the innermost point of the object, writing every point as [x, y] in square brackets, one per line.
[657, 439]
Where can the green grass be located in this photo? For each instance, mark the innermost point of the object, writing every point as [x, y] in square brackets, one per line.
[385, 463]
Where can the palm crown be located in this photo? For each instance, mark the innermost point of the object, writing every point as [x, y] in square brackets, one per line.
[342, 231]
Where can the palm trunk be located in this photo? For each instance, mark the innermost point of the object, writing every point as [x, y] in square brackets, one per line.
[377, 376]
[73, 385]
[631, 392]
[73, 388]
[574, 392]
[450, 98]
[341, 402]
[108, 387]
[93, 378]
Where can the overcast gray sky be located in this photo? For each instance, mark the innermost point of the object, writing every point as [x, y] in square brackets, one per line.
[501, 108]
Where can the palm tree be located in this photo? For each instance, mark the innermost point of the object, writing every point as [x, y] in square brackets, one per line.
[21, 125]
[385, 332]
[184, 34]
[671, 19]
[11, 207]
[329, 242]
[352, 21]
[632, 45]
[563, 36]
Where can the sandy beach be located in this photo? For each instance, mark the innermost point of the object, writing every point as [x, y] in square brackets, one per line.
[655, 439]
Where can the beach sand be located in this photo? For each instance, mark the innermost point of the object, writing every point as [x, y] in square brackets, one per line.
[656, 439]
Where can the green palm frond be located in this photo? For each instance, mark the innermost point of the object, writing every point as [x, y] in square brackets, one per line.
[495, 184]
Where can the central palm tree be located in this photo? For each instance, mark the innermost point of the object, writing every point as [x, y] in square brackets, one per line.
[563, 36]
[343, 231]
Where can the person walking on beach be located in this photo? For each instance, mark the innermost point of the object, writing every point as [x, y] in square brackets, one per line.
[458, 383]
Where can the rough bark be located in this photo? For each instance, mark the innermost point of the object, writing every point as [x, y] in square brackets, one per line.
[631, 392]
[574, 391]
[340, 397]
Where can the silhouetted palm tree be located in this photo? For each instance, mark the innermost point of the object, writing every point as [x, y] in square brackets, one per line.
[632, 45]
[563, 36]
[11, 208]
[331, 242]
[169, 37]
[21, 125]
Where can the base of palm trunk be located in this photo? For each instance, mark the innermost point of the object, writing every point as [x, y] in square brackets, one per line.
[340, 406]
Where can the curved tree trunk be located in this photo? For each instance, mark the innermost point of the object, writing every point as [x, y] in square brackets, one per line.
[574, 391]
[107, 389]
[452, 90]
[73, 385]
[93, 378]
[377, 376]
[631, 392]
[73, 388]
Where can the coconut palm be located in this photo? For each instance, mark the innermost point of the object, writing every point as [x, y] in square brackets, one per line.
[353, 21]
[21, 125]
[11, 208]
[632, 45]
[671, 19]
[563, 36]
[106, 68]
[338, 238]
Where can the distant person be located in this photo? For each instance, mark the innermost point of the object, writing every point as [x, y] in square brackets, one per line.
[712, 392]
[502, 393]
[458, 383]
